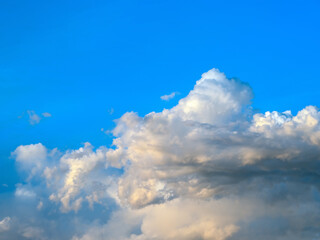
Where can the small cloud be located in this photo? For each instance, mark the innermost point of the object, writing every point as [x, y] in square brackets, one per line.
[33, 117]
[40, 205]
[111, 111]
[32, 233]
[21, 116]
[5, 185]
[24, 192]
[46, 114]
[169, 96]
[106, 131]
[5, 224]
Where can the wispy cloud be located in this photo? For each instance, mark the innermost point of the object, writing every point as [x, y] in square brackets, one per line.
[169, 96]
[35, 118]
[46, 114]
[111, 111]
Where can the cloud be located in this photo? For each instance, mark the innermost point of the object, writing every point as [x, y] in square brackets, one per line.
[81, 176]
[5, 224]
[46, 114]
[208, 168]
[24, 192]
[31, 158]
[40, 205]
[111, 111]
[169, 96]
[34, 118]
[178, 219]
[33, 233]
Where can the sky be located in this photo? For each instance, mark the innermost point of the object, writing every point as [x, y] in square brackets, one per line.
[178, 119]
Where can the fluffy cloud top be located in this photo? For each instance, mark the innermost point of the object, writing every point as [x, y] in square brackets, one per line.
[207, 168]
[80, 176]
[31, 158]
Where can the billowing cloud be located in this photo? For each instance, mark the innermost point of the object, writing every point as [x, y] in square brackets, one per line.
[82, 175]
[208, 168]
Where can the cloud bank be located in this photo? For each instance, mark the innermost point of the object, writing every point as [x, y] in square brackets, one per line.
[208, 168]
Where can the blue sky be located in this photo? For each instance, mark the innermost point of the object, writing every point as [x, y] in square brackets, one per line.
[78, 60]
[89, 62]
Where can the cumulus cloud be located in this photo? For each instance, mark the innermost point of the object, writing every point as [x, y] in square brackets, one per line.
[169, 96]
[208, 168]
[31, 158]
[80, 176]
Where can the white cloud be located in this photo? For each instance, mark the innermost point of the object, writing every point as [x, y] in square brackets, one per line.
[24, 192]
[31, 158]
[80, 176]
[207, 168]
[169, 96]
[30, 154]
[214, 100]
[188, 219]
[178, 219]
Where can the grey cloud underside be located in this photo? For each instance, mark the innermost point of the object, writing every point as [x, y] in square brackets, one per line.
[207, 168]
